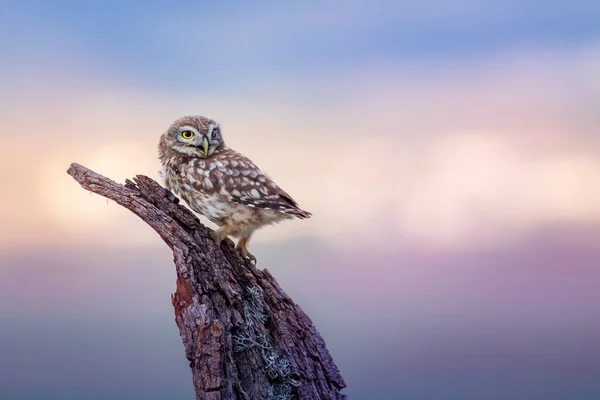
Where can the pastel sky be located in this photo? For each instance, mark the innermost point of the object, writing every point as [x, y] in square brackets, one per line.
[449, 151]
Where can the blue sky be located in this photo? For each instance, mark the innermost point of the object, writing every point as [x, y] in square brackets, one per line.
[198, 45]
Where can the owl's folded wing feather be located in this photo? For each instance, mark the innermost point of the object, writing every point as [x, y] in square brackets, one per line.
[274, 203]
[262, 195]
[246, 184]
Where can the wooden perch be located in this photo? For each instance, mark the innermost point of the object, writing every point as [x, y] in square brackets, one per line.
[243, 336]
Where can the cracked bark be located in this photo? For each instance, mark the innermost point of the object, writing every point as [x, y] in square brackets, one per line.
[210, 301]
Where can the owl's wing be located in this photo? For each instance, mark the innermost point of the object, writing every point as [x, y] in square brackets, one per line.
[246, 184]
[274, 200]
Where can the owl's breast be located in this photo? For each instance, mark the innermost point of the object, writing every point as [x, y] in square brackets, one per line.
[170, 177]
[211, 206]
[201, 186]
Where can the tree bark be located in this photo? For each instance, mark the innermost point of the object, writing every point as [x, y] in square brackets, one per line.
[244, 337]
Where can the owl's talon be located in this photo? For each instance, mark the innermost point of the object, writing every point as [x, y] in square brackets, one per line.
[242, 249]
[248, 256]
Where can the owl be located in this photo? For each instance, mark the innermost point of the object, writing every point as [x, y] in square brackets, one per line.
[218, 182]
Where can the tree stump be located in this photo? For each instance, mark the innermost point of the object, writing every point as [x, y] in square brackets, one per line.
[244, 337]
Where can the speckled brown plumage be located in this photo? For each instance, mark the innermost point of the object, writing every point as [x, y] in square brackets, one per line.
[220, 183]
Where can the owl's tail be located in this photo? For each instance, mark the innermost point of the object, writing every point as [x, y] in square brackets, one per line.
[299, 213]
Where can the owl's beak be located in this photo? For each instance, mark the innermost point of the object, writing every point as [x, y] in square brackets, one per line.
[204, 146]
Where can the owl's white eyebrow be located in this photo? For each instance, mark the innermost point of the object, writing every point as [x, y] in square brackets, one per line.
[212, 127]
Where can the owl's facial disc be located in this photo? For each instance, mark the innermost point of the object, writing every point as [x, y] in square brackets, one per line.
[197, 139]
[190, 141]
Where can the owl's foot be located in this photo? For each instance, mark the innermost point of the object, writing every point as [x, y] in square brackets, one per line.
[242, 249]
[247, 255]
[220, 236]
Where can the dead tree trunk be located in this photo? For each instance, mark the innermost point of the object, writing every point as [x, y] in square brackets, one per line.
[243, 336]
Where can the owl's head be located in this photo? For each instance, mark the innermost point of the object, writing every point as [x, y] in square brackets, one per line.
[193, 135]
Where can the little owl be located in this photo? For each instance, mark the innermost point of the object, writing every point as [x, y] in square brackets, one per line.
[220, 183]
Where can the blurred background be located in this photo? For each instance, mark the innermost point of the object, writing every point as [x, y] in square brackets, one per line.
[449, 150]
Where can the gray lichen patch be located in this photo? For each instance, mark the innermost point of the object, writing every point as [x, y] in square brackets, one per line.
[278, 368]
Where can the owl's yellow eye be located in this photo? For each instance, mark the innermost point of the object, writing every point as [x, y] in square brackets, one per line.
[187, 134]
[214, 133]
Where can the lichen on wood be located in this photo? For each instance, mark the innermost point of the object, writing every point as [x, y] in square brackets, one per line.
[243, 335]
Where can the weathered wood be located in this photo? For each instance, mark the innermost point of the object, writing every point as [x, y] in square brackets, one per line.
[243, 336]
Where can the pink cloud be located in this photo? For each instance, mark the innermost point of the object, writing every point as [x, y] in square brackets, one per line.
[482, 154]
